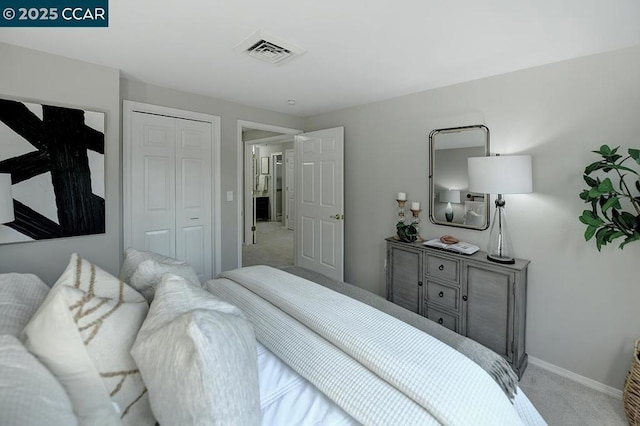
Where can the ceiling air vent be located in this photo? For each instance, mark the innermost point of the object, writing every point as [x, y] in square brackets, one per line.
[269, 48]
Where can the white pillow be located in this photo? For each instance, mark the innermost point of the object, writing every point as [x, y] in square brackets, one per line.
[149, 273]
[83, 332]
[143, 270]
[20, 297]
[197, 355]
[29, 394]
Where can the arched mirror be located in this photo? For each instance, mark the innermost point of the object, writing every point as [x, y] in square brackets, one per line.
[451, 203]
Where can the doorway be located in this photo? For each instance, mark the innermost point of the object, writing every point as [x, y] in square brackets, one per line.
[265, 206]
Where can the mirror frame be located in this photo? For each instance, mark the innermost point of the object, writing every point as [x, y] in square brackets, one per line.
[432, 191]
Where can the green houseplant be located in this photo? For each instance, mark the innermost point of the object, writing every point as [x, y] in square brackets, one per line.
[615, 203]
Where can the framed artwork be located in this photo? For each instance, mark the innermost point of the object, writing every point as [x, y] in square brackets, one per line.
[264, 165]
[55, 156]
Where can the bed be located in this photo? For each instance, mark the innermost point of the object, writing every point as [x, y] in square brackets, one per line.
[257, 345]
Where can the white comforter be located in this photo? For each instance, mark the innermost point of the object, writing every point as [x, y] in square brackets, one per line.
[287, 399]
[377, 368]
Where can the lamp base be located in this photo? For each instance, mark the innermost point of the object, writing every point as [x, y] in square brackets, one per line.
[499, 248]
[501, 259]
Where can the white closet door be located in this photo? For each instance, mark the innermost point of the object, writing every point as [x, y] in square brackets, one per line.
[153, 178]
[193, 195]
[171, 189]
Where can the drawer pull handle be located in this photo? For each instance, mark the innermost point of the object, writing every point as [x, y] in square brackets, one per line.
[441, 294]
[441, 267]
[440, 321]
[464, 297]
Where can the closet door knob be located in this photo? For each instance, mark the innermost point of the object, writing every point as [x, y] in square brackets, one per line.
[440, 321]
[464, 298]
[441, 267]
[441, 294]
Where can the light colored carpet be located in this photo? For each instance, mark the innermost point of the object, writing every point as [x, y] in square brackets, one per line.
[563, 402]
[274, 246]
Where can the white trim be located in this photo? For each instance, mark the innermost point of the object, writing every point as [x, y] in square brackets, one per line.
[128, 108]
[590, 383]
[241, 170]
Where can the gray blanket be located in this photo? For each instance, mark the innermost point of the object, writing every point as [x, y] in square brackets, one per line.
[496, 366]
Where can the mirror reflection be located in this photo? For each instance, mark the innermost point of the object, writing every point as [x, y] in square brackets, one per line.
[451, 203]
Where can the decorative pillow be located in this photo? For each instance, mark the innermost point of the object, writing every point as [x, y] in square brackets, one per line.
[143, 270]
[83, 332]
[20, 296]
[197, 355]
[29, 394]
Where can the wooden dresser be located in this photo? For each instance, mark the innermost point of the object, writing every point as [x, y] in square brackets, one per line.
[480, 299]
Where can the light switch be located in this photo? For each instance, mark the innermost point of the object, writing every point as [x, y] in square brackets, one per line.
[229, 195]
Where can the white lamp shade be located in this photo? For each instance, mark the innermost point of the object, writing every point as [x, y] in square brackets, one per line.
[449, 196]
[508, 174]
[6, 199]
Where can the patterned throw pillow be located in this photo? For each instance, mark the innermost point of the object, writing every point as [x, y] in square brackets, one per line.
[83, 332]
[198, 357]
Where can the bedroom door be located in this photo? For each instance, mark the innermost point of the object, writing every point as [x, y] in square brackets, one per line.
[319, 189]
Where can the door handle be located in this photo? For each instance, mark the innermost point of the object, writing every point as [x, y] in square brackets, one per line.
[337, 217]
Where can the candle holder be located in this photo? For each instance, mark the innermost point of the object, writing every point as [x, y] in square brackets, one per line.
[406, 233]
[401, 204]
[415, 221]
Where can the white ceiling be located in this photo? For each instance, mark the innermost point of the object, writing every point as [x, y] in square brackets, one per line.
[357, 51]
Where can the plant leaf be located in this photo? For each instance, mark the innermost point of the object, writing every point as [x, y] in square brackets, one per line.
[611, 202]
[635, 154]
[584, 195]
[590, 181]
[606, 186]
[604, 150]
[628, 219]
[594, 193]
[610, 167]
[590, 218]
[594, 166]
[589, 232]
[616, 234]
[629, 239]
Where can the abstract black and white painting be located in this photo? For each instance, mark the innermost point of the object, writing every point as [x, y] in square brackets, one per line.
[55, 156]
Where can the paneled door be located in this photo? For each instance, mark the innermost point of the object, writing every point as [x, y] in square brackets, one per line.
[193, 195]
[319, 171]
[290, 205]
[170, 189]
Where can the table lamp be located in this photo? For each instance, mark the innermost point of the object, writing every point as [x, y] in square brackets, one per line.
[6, 199]
[508, 174]
[449, 196]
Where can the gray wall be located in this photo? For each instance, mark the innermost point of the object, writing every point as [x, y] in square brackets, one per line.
[583, 305]
[43, 78]
[229, 113]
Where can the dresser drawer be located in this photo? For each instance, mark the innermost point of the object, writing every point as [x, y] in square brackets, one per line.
[448, 320]
[442, 267]
[443, 295]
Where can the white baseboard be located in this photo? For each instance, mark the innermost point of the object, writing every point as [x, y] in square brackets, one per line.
[590, 383]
